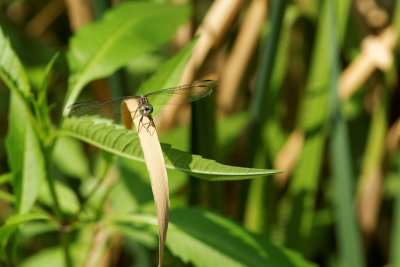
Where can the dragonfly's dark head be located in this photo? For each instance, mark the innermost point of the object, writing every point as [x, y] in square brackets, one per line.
[146, 109]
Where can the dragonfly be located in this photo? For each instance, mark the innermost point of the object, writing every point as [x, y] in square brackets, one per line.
[112, 106]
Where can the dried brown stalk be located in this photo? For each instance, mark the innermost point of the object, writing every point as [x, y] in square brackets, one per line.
[155, 163]
[43, 19]
[377, 53]
[211, 31]
[288, 156]
[239, 58]
[79, 13]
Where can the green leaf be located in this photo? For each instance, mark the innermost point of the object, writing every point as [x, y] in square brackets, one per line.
[6, 177]
[45, 258]
[70, 158]
[42, 107]
[11, 71]
[127, 31]
[349, 240]
[54, 256]
[23, 147]
[312, 119]
[25, 156]
[12, 225]
[207, 239]
[32, 169]
[141, 185]
[115, 139]
[68, 200]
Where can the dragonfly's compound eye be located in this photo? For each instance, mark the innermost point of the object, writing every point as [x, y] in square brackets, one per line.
[145, 109]
[148, 109]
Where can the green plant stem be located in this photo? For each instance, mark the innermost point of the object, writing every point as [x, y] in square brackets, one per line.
[348, 233]
[262, 106]
[259, 108]
[6, 177]
[87, 198]
[63, 234]
[51, 186]
[395, 242]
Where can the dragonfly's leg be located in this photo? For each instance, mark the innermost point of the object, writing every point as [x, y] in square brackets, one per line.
[151, 122]
[134, 115]
[148, 124]
[139, 102]
[140, 124]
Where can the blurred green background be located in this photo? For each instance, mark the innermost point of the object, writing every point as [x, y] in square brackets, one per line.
[307, 87]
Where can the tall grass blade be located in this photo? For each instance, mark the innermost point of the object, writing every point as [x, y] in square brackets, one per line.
[348, 234]
[258, 215]
[260, 107]
[312, 122]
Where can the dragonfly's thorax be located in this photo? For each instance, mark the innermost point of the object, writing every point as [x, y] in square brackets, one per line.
[145, 108]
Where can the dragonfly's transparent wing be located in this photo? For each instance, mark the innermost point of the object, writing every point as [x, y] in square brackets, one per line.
[182, 94]
[109, 108]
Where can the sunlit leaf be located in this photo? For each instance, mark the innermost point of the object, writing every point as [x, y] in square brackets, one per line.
[204, 238]
[126, 31]
[24, 151]
[67, 198]
[117, 140]
[45, 258]
[70, 158]
[11, 71]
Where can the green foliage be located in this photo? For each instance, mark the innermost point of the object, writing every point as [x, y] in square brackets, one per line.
[76, 191]
[11, 226]
[207, 239]
[69, 157]
[34, 143]
[312, 120]
[23, 146]
[348, 230]
[11, 71]
[117, 140]
[127, 31]
[46, 258]
[200, 237]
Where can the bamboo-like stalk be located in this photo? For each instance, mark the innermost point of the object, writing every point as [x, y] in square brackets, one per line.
[213, 28]
[393, 137]
[42, 20]
[79, 13]
[288, 156]
[155, 163]
[370, 181]
[376, 54]
[239, 58]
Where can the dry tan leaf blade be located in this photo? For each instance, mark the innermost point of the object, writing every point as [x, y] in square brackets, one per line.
[155, 163]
